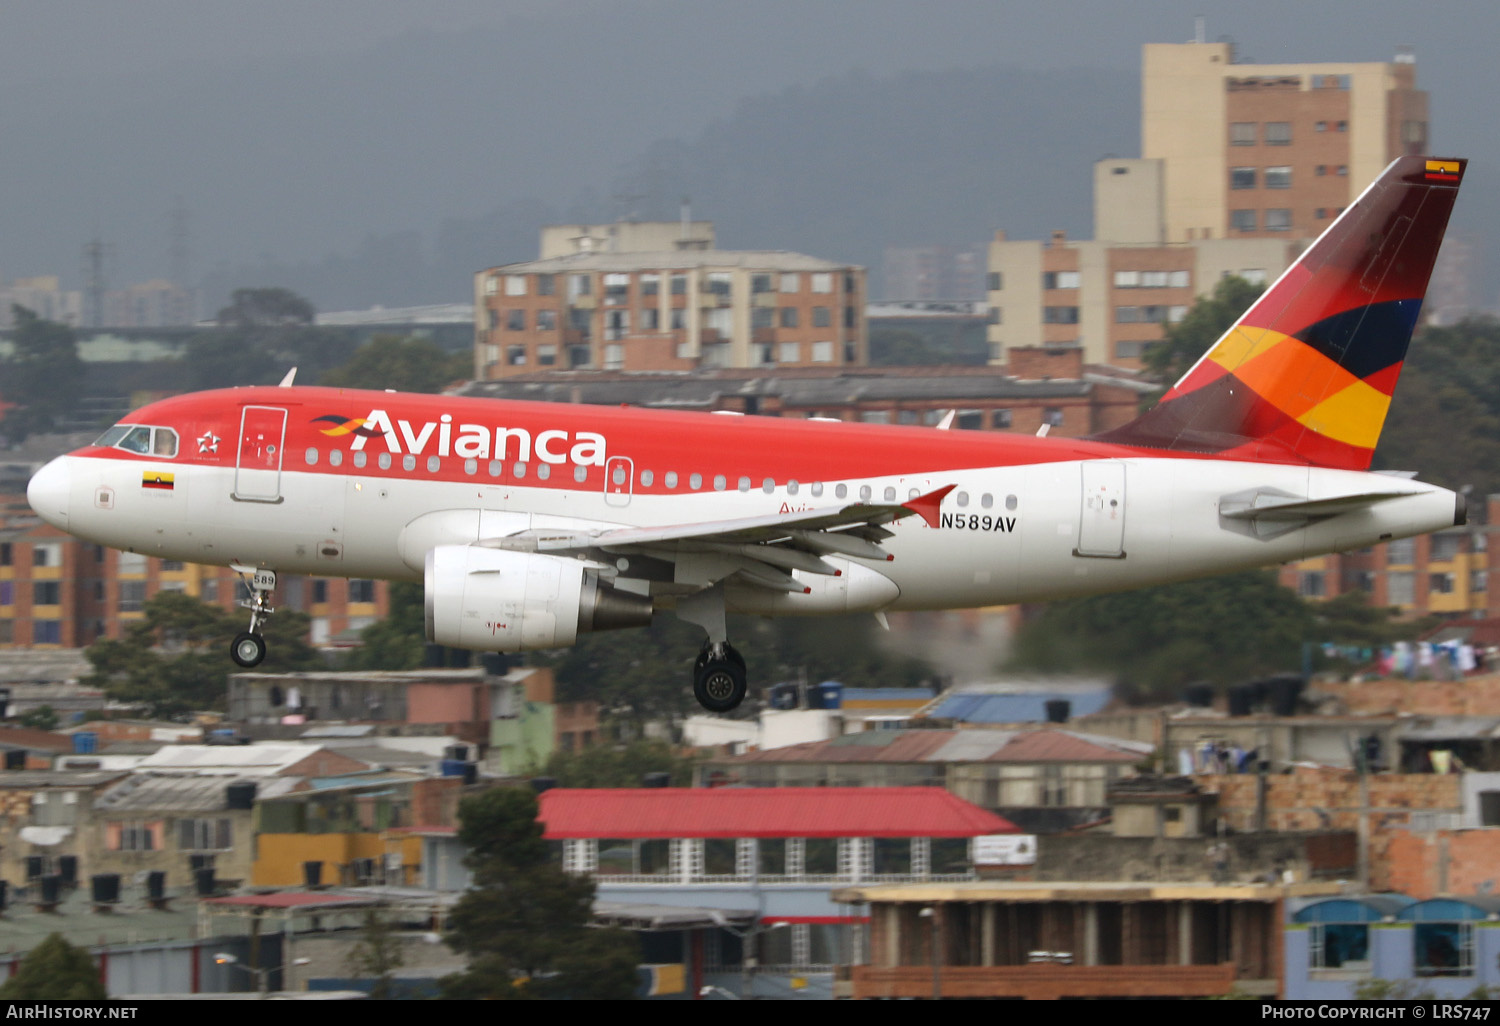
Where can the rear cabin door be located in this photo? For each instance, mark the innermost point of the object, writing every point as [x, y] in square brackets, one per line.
[257, 472]
[1101, 522]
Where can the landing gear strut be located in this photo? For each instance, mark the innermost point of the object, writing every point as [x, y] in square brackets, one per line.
[249, 647]
[719, 678]
[719, 673]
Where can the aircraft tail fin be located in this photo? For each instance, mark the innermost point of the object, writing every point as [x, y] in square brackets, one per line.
[1308, 372]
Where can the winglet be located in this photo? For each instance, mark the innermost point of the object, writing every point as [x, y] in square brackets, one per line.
[291, 376]
[926, 506]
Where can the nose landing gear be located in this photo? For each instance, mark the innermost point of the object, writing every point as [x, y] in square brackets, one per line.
[249, 647]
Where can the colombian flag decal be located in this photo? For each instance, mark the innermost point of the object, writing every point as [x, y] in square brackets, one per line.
[157, 480]
[1442, 171]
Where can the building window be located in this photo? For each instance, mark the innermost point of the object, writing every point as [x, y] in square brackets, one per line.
[616, 289]
[1443, 949]
[580, 285]
[7, 592]
[1338, 946]
[546, 355]
[995, 282]
[1059, 279]
[1310, 584]
[650, 319]
[1242, 133]
[515, 284]
[1242, 220]
[1278, 220]
[614, 356]
[679, 284]
[5, 556]
[1278, 133]
[1242, 177]
[1060, 315]
[49, 593]
[821, 317]
[204, 835]
[822, 352]
[132, 596]
[1052, 416]
[546, 320]
[50, 554]
[791, 283]
[546, 284]
[46, 632]
[1321, 126]
[822, 282]
[1401, 552]
[679, 321]
[1279, 177]
[319, 591]
[789, 352]
[1000, 419]
[361, 591]
[515, 320]
[133, 836]
[719, 283]
[789, 317]
[1400, 588]
[1440, 584]
[650, 284]
[997, 315]
[1444, 546]
[762, 317]
[760, 283]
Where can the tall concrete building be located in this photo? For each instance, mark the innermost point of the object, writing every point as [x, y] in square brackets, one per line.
[1270, 149]
[595, 301]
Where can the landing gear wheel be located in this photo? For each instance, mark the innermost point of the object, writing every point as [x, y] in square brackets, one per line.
[248, 649]
[719, 684]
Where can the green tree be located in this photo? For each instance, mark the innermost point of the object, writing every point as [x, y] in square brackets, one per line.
[175, 659]
[43, 717]
[55, 970]
[1221, 629]
[1205, 324]
[41, 377]
[524, 923]
[622, 765]
[377, 954]
[405, 364]
[398, 641]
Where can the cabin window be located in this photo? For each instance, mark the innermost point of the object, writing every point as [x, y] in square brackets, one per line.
[962, 498]
[791, 487]
[543, 471]
[384, 460]
[1010, 502]
[335, 457]
[744, 484]
[817, 488]
[986, 500]
[890, 495]
[912, 493]
[580, 473]
[768, 485]
[471, 466]
[646, 478]
[695, 482]
[494, 468]
[408, 462]
[519, 470]
[840, 491]
[360, 459]
[311, 456]
[671, 479]
[434, 463]
[864, 493]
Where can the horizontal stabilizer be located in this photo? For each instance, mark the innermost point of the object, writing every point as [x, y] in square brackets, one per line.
[1269, 512]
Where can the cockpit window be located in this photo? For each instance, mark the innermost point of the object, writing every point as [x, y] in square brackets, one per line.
[137, 438]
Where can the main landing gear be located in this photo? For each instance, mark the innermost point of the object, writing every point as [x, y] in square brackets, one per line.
[719, 672]
[719, 678]
[249, 647]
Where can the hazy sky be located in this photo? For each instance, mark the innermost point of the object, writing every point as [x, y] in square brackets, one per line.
[297, 129]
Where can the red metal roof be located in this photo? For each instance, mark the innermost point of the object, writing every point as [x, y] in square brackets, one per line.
[1059, 746]
[626, 813]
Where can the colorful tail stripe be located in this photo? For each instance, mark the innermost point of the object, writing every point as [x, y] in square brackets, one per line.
[1308, 372]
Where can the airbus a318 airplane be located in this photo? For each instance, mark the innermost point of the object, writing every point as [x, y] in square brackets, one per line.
[532, 522]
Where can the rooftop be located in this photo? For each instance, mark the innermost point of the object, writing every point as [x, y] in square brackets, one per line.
[730, 812]
[178, 793]
[1042, 744]
[687, 259]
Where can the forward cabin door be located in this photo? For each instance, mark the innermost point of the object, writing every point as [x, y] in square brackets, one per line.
[1101, 521]
[619, 483]
[257, 471]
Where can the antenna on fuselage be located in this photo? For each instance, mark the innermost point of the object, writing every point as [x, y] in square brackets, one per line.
[286, 382]
[947, 422]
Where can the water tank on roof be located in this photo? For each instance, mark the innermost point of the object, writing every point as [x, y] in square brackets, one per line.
[312, 873]
[85, 742]
[1283, 691]
[1058, 710]
[1200, 694]
[657, 780]
[433, 656]
[1241, 698]
[541, 784]
[453, 767]
[460, 658]
[827, 695]
[495, 663]
[240, 796]
[458, 752]
[106, 888]
[784, 696]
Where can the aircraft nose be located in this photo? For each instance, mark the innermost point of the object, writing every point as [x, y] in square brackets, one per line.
[49, 492]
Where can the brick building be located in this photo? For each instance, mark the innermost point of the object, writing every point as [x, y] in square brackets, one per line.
[677, 310]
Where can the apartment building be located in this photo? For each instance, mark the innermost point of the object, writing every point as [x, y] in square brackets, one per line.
[677, 310]
[1270, 150]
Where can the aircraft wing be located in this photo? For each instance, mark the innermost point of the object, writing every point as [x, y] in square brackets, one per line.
[757, 550]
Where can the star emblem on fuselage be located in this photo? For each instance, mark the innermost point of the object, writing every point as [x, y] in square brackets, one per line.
[208, 442]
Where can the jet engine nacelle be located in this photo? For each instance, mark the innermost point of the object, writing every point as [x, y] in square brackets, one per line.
[497, 600]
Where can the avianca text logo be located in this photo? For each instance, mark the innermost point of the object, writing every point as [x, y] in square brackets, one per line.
[474, 441]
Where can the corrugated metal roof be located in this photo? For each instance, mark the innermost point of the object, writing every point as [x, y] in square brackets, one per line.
[261, 759]
[146, 792]
[1018, 703]
[763, 812]
[1063, 746]
[869, 746]
[941, 746]
[873, 695]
